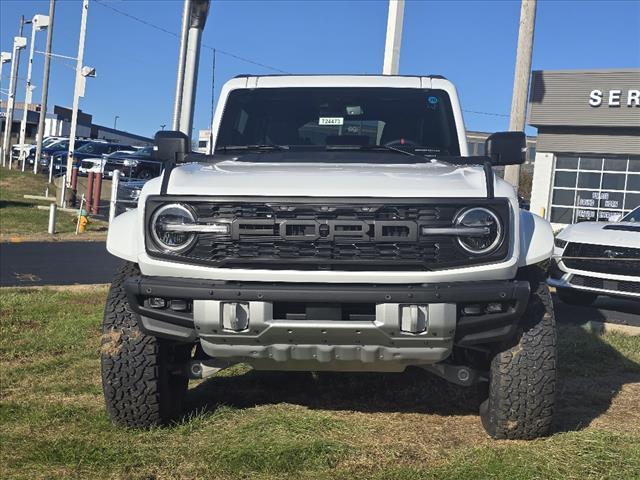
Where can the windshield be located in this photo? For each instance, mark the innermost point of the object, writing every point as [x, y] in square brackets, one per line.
[632, 216]
[92, 148]
[412, 119]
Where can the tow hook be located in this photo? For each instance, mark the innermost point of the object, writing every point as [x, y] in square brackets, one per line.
[460, 375]
[199, 369]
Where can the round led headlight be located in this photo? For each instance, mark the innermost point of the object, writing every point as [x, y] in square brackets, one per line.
[484, 230]
[165, 230]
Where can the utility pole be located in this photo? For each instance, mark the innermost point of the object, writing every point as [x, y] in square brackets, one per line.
[19, 43]
[78, 90]
[182, 54]
[393, 41]
[39, 22]
[521, 80]
[45, 87]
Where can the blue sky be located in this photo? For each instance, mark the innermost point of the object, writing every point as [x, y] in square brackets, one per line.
[470, 42]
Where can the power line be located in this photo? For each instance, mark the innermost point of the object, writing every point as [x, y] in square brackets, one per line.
[173, 34]
[486, 113]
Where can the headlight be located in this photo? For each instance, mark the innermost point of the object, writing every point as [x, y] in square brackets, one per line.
[485, 230]
[170, 239]
[130, 163]
[559, 243]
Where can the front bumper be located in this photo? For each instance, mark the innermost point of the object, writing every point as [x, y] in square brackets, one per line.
[379, 343]
[593, 282]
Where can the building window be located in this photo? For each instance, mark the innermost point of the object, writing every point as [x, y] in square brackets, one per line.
[590, 188]
[202, 144]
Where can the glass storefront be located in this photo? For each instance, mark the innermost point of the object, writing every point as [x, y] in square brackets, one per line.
[594, 188]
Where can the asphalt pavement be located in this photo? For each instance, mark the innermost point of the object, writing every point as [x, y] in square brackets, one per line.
[69, 263]
[55, 263]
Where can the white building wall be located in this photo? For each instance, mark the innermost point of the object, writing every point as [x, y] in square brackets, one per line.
[541, 185]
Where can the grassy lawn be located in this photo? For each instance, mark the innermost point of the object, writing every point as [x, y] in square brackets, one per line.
[245, 424]
[20, 217]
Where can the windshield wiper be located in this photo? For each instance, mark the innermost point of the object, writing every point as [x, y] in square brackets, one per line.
[369, 148]
[259, 148]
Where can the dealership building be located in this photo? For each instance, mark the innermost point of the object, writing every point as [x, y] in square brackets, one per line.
[587, 162]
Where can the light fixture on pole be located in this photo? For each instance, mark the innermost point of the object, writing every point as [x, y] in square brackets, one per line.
[18, 44]
[115, 121]
[5, 57]
[39, 22]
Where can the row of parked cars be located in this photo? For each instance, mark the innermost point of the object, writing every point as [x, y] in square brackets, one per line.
[97, 156]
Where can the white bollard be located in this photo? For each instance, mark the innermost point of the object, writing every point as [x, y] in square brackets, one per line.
[53, 210]
[50, 168]
[115, 181]
[64, 190]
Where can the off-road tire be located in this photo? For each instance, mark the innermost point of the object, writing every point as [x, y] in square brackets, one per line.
[140, 385]
[576, 297]
[522, 376]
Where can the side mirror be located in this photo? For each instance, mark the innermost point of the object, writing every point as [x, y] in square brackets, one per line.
[506, 148]
[170, 146]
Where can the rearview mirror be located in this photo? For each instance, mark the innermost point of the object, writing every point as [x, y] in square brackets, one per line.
[506, 148]
[171, 145]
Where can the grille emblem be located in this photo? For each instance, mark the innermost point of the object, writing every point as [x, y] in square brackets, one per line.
[613, 253]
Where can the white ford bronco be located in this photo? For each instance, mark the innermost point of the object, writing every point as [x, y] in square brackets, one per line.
[340, 225]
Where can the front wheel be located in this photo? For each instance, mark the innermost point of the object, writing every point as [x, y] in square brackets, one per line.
[522, 376]
[140, 373]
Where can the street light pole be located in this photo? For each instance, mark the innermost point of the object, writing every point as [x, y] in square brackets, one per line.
[182, 54]
[45, 87]
[197, 19]
[39, 22]
[78, 90]
[393, 41]
[521, 80]
[115, 121]
[19, 43]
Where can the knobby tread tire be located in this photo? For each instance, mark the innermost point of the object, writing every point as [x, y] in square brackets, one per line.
[522, 383]
[139, 388]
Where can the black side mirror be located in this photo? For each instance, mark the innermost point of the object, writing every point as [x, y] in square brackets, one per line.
[170, 146]
[506, 148]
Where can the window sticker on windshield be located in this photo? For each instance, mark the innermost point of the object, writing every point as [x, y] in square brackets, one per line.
[331, 121]
[433, 100]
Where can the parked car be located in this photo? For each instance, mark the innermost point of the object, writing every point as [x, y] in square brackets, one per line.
[339, 226]
[88, 150]
[597, 258]
[96, 164]
[139, 165]
[52, 151]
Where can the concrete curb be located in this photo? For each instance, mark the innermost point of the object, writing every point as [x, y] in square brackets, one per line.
[600, 328]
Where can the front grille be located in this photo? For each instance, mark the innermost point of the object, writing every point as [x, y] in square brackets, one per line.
[334, 234]
[604, 284]
[602, 259]
[87, 165]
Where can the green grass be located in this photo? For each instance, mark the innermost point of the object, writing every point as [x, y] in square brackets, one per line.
[245, 424]
[21, 217]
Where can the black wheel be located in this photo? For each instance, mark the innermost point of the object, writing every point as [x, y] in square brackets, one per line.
[139, 380]
[576, 297]
[522, 375]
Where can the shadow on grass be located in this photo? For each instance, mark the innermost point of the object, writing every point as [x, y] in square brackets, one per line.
[414, 390]
[591, 374]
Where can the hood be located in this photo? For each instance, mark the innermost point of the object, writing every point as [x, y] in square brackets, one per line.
[620, 234]
[432, 179]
